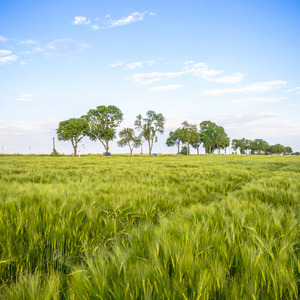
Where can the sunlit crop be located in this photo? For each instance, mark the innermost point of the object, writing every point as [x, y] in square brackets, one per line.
[167, 227]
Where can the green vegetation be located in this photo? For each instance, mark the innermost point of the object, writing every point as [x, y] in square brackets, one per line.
[170, 227]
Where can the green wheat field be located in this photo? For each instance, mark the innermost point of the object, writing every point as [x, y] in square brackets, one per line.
[167, 227]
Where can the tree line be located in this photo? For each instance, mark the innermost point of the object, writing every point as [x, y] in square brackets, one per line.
[101, 125]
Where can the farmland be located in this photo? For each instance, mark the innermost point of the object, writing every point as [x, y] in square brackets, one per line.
[167, 227]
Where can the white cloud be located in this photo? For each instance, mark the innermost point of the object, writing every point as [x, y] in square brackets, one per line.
[166, 88]
[6, 57]
[26, 97]
[132, 65]
[148, 78]
[29, 42]
[64, 46]
[95, 27]
[81, 20]
[190, 68]
[241, 102]
[260, 87]
[134, 17]
[227, 79]
[3, 39]
[296, 89]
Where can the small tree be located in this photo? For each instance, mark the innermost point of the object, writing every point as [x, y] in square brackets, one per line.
[72, 130]
[175, 138]
[128, 138]
[103, 122]
[190, 134]
[150, 126]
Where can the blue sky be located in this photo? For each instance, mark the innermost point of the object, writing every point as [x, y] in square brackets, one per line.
[235, 63]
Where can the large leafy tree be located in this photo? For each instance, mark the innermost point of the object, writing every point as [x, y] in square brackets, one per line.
[221, 138]
[240, 144]
[103, 122]
[213, 136]
[175, 139]
[128, 138]
[150, 126]
[72, 130]
[190, 134]
[258, 146]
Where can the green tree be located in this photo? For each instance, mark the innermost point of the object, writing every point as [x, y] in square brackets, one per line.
[225, 143]
[128, 138]
[208, 132]
[213, 136]
[183, 150]
[221, 138]
[258, 146]
[72, 130]
[175, 139]
[103, 122]
[288, 150]
[196, 145]
[240, 144]
[190, 134]
[151, 125]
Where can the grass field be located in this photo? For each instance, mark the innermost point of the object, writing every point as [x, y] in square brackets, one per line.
[199, 227]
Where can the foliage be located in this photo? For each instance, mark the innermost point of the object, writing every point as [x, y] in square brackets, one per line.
[128, 138]
[175, 139]
[213, 136]
[72, 130]
[197, 227]
[184, 150]
[190, 134]
[103, 122]
[150, 126]
[54, 152]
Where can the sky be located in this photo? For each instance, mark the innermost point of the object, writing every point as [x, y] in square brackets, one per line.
[235, 63]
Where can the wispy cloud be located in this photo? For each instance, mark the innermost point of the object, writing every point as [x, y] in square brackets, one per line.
[134, 17]
[81, 20]
[190, 68]
[95, 27]
[64, 46]
[166, 88]
[246, 101]
[3, 39]
[260, 87]
[26, 97]
[149, 78]
[6, 57]
[29, 42]
[296, 89]
[132, 65]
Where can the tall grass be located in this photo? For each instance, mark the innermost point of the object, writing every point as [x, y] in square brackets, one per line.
[200, 227]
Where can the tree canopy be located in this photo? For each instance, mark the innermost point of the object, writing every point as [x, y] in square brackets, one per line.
[175, 139]
[190, 134]
[128, 138]
[103, 122]
[213, 136]
[150, 126]
[72, 130]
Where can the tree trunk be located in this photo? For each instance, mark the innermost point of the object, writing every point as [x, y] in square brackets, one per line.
[130, 149]
[106, 146]
[197, 150]
[150, 148]
[178, 148]
[74, 144]
[188, 148]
